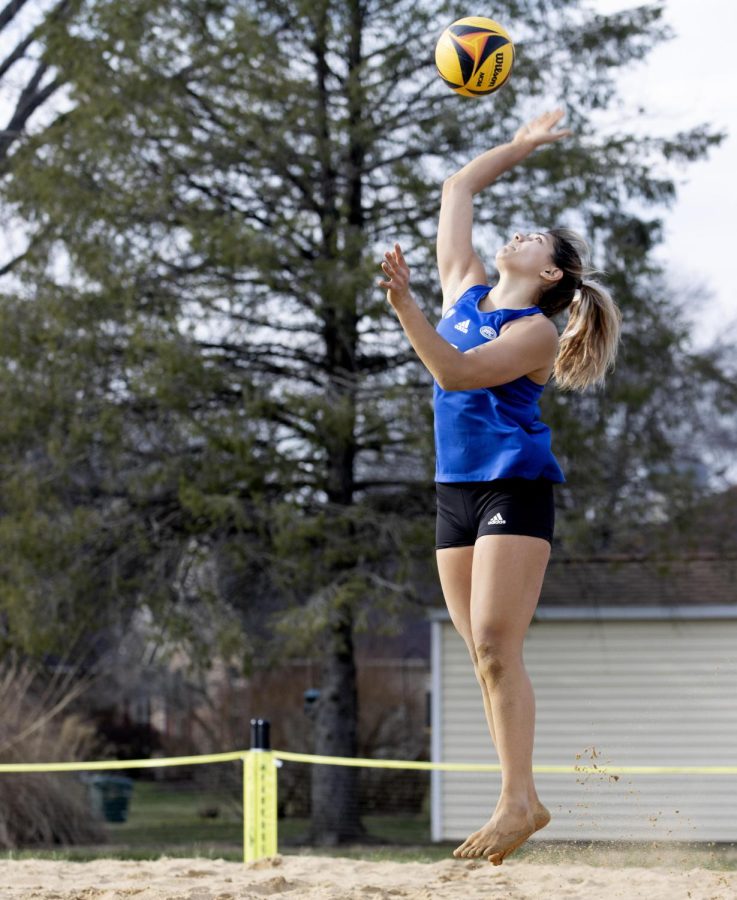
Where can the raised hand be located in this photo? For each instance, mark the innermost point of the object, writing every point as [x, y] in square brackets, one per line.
[540, 130]
[397, 272]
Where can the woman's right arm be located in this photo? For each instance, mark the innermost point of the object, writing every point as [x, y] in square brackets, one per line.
[458, 264]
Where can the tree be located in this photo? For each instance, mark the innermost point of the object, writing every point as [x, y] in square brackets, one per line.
[35, 92]
[642, 451]
[38, 83]
[228, 375]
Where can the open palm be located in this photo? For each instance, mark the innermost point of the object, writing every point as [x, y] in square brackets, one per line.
[540, 130]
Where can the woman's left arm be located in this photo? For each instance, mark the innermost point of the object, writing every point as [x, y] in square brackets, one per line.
[516, 352]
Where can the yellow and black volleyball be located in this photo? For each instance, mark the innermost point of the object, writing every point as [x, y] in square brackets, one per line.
[474, 56]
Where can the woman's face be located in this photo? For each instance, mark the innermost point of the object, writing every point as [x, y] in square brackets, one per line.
[526, 254]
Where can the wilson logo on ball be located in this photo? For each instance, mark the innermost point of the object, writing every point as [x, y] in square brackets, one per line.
[474, 56]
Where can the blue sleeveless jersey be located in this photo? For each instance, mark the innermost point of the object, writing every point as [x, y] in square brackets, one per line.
[493, 432]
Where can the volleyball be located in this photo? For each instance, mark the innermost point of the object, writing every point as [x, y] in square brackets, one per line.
[474, 56]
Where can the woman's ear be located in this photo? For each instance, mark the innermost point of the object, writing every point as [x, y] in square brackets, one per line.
[551, 274]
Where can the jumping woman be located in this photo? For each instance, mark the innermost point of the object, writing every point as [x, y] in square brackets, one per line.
[491, 356]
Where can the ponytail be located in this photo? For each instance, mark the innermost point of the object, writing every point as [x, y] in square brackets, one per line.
[589, 342]
[588, 345]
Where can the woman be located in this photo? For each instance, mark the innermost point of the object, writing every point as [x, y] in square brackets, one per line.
[491, 356]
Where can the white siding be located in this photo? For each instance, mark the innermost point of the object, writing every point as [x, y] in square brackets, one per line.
[640, 693]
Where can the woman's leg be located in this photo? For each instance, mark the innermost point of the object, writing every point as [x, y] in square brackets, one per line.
[507, 576]
[455, 567]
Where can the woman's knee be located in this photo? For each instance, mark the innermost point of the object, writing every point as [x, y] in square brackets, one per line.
[494, 657]
[471, 648]
[462, 625]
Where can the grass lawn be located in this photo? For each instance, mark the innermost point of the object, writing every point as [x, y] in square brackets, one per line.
[167, 819]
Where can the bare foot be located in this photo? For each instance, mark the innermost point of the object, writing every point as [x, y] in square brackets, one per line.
[541, 816]
[498, 839]
[509, 827]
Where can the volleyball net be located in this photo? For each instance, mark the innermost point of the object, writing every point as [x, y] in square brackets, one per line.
[283, 794]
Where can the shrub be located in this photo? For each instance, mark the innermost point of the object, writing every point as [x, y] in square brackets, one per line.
[37, 725]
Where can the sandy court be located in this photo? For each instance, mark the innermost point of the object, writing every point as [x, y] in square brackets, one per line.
[330, 878]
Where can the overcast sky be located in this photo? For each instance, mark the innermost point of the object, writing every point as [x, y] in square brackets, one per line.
[684, 82]
[689, 80]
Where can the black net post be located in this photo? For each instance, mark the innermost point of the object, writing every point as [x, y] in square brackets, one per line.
[260, 734]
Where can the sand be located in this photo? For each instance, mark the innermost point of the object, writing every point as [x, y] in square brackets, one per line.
[330, 878]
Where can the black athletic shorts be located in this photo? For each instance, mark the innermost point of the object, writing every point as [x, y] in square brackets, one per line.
[469, 509]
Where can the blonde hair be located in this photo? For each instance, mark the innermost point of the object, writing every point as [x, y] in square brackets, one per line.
[589, 342]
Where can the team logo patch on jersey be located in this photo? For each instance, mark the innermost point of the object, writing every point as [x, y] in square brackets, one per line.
[463, 326]
[488, 332]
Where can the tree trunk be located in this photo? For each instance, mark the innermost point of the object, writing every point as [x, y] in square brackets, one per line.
[335, 808]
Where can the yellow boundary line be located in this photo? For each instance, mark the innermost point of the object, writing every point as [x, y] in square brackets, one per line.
[480, 767]
[124, 763]
[588, 769]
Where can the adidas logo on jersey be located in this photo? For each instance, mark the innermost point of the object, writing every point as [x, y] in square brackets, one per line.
[497, 520]
[463, 326]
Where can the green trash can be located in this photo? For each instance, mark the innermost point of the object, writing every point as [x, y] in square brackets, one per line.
[112, 794]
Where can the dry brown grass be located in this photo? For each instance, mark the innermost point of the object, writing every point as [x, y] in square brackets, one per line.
[37, 725]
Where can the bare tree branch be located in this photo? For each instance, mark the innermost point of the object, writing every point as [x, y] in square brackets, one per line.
[30, 99]
[10, 11]
[16, 54]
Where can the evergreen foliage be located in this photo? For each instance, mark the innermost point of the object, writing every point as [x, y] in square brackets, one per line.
[198, 370]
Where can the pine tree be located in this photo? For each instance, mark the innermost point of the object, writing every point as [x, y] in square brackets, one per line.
[218, 373]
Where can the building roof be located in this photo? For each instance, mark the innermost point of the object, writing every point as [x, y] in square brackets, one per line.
[700, 580]
[675, 570]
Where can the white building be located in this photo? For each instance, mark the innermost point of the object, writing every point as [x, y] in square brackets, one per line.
[633, 663]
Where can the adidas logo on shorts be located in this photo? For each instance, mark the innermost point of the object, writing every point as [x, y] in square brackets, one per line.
[497, 520]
